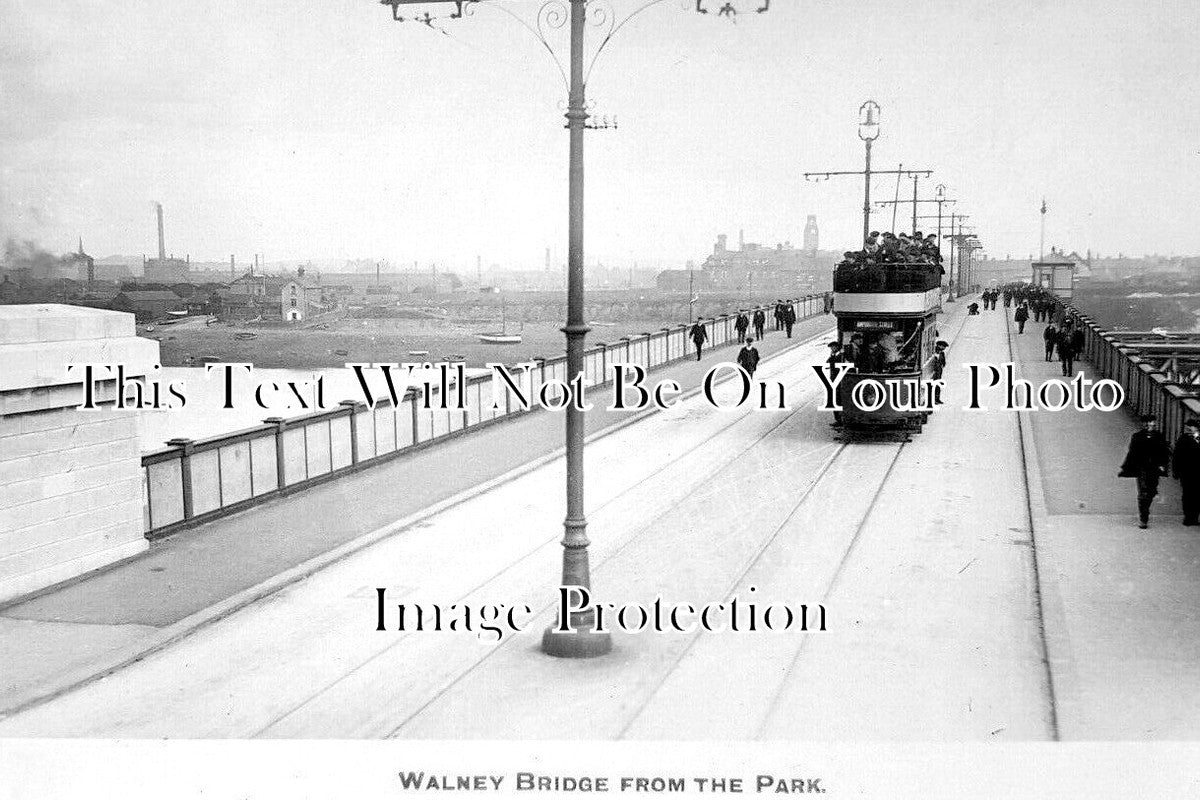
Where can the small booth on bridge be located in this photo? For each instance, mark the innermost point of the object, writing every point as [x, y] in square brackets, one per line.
[1056, 273]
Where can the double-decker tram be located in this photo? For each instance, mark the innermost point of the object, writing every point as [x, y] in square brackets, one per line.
[886, 308]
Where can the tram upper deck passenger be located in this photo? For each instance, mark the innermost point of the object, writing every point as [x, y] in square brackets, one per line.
[889, 263]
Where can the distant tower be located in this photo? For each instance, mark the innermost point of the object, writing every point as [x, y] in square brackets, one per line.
[811, 235]
[741, 239]
[547, 259]
[162, 247]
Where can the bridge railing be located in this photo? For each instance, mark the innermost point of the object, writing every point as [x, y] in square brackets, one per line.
[1147, 390]
[193, 481]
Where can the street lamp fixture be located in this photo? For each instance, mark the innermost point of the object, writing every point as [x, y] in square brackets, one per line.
[577, 636]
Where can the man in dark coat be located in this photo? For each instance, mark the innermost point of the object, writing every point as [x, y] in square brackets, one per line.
[699, 336]
[1066, 352]
[789, 318]
[747, 357]
[1185, 465]
[760, 322]
[740, 325]
[856, 353]
[1148, 459]
[1021, 316]
[1050, 337]
[1077, 341]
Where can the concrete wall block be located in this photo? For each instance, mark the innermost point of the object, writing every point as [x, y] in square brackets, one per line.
[19, 585]
[62, 484]
[57, 462]
[94, 541]
[18, 444]
[76, 521]
[26, 514]
[49, 419]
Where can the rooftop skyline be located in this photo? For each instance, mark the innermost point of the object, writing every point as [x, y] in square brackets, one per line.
[338, 133]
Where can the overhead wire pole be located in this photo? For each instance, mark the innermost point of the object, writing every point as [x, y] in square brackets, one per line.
[915, 202]
[868, 131]
[940, 199]
[1042, 241]
[575, 637]
[953, 219]
[964, 260]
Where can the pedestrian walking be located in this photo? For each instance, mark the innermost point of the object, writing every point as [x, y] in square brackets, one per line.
[778, 315]
[760, 322]
[1185, 465]
[747, 357]
[789, 318]
[1050, 337]
[1021, 316]
[1147, 460]
[699, 336]
[740, 325]
[839, 355]
[1077, 341]
[1066, 353]
[937, 367]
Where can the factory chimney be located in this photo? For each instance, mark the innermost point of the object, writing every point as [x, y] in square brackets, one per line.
[231, 266]
[162, 248]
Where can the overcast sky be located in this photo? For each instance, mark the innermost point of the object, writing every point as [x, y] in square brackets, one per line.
[325, 130]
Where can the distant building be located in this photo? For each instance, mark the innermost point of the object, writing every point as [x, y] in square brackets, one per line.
[811, 235]
[753, 267]
[300, 298]
[166, 270]
[148, 304]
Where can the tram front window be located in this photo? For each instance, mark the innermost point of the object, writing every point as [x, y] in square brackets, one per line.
[881, 347]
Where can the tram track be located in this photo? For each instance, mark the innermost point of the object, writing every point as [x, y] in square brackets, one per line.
[614, 499]
[764, 548]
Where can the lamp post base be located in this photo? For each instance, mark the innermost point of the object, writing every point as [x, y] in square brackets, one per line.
[582, 642]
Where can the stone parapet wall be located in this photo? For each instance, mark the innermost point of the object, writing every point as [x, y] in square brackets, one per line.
[71, 484]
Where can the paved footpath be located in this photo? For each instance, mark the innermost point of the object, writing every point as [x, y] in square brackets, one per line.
[933, 631]
[1122, 605]
[71, 633]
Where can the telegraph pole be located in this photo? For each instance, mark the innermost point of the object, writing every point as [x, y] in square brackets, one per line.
[915, 202]
[576, 637]
[1042, 243]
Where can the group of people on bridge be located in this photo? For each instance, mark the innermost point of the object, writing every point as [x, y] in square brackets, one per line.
[785, 319]
[1150, 458]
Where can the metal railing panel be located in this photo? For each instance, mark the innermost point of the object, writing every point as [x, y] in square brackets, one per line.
[206, 482]
[264, 471]
[165, 481]
[234, 462]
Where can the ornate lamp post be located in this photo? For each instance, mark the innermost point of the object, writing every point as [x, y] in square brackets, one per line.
[868, 131]
[576, 637]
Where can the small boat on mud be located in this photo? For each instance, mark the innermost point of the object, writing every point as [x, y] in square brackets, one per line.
[502, 336]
